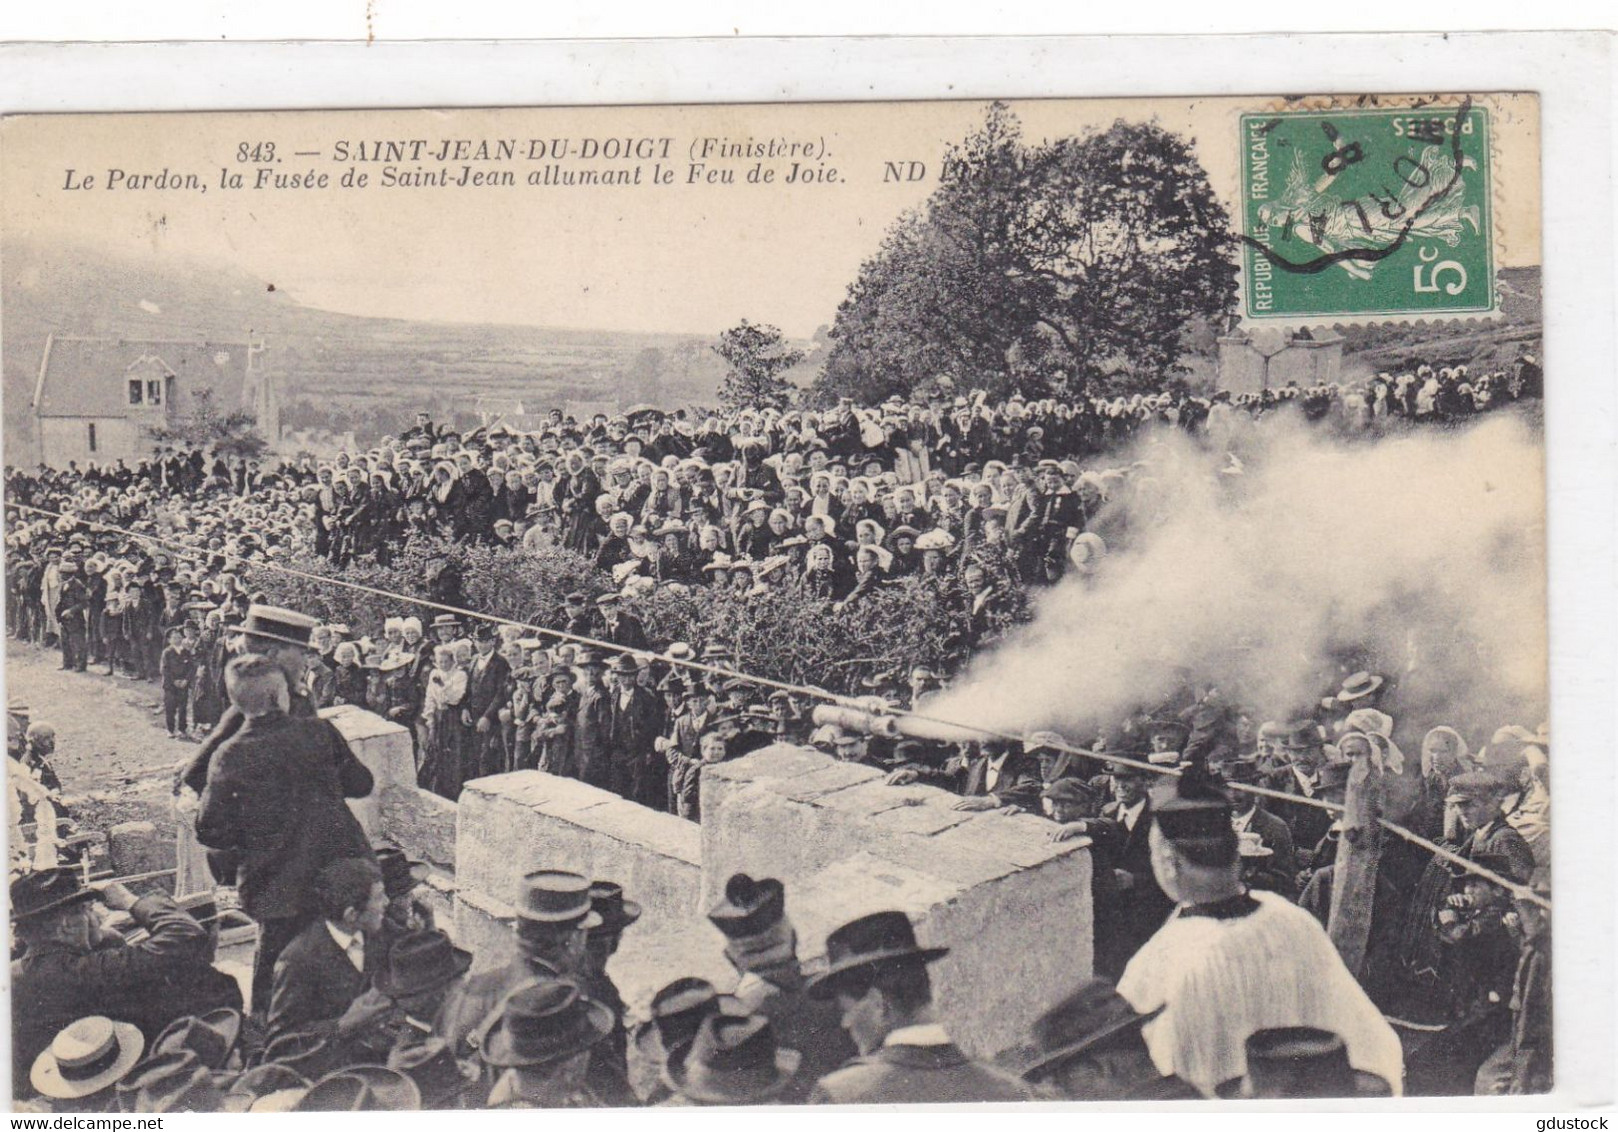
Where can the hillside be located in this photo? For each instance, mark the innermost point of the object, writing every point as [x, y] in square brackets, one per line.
[336, 371]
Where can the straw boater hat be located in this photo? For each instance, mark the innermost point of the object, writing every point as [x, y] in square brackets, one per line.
[272, 623]
[86, 1057]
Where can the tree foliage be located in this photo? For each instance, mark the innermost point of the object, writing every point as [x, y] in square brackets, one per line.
[756, 356]
[1070, 266]
[784, 635]
[229, 434]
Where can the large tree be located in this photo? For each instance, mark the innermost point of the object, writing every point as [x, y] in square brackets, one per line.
[1072, 265]
[756, 356]
[233, 433]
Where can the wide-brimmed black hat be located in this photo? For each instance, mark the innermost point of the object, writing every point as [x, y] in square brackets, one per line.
[176, 1081]
[749, 906]
[433, 1066]
[544, 1022]
[732, 1061]
[211, 1036]
[361, 1088]
[400, 874]
[676, 1013]
[272, 623]
[607, 901]
[419, 962]
[878, 938]
[1085, 1020]
[34, 894]
[1292, 1062]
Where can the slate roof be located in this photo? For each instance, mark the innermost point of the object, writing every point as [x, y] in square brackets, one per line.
[84, 377]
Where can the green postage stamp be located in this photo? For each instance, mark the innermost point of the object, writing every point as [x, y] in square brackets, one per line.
[1357, 214]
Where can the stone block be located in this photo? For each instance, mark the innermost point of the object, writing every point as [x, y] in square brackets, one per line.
[510, 825]
[1013, 907]
[422, 824]
[133, 848]
[817, 783]
[386, 751]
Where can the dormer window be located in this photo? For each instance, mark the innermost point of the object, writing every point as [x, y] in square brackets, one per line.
[154, 391]
[136, 386]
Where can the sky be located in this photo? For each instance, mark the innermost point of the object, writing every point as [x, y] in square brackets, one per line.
[682, 257]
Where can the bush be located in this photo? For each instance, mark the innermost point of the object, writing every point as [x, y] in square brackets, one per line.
[783, 635]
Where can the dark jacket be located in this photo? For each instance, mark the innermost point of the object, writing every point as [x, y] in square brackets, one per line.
[54, 986]
[904, 1074]
[275, 797]
[592, 737]
[314, 981]
[485, 690]
[812, 1026]
[1019, 783]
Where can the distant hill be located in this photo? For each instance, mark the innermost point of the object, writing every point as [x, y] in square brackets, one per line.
[335, 371]
[1479, 344]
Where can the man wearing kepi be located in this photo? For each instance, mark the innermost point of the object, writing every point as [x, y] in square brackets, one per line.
[1230, 962]
[877, 973]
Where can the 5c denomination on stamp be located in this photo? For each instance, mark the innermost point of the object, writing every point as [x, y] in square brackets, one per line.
[1360, 214]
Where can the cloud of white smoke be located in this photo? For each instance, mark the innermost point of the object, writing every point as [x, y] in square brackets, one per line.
[1421, 556]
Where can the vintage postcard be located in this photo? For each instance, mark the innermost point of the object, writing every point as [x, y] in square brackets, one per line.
[888, 602]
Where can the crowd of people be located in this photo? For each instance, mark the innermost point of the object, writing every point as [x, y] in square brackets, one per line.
[1215, 978]
[358, 1001]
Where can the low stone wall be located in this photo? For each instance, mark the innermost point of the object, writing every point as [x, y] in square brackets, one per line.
[1013, 907]
[512, 824]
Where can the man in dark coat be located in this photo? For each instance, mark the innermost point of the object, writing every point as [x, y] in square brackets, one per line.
[323, 977]
[617, 626]
[73, 614]
[480, 709]
[1274, 835]
[639, 772]
[761, 945]
[877, 974]
[555, 913]
[71, 967]
[275, 801]
[592, 723]
[1139, 905]
[996, 774]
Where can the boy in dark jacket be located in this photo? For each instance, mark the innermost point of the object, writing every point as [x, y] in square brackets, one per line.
[176, 668]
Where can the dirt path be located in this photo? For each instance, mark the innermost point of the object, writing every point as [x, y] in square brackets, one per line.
[115, 761]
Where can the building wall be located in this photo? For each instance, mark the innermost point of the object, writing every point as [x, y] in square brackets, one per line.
[68, 438]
